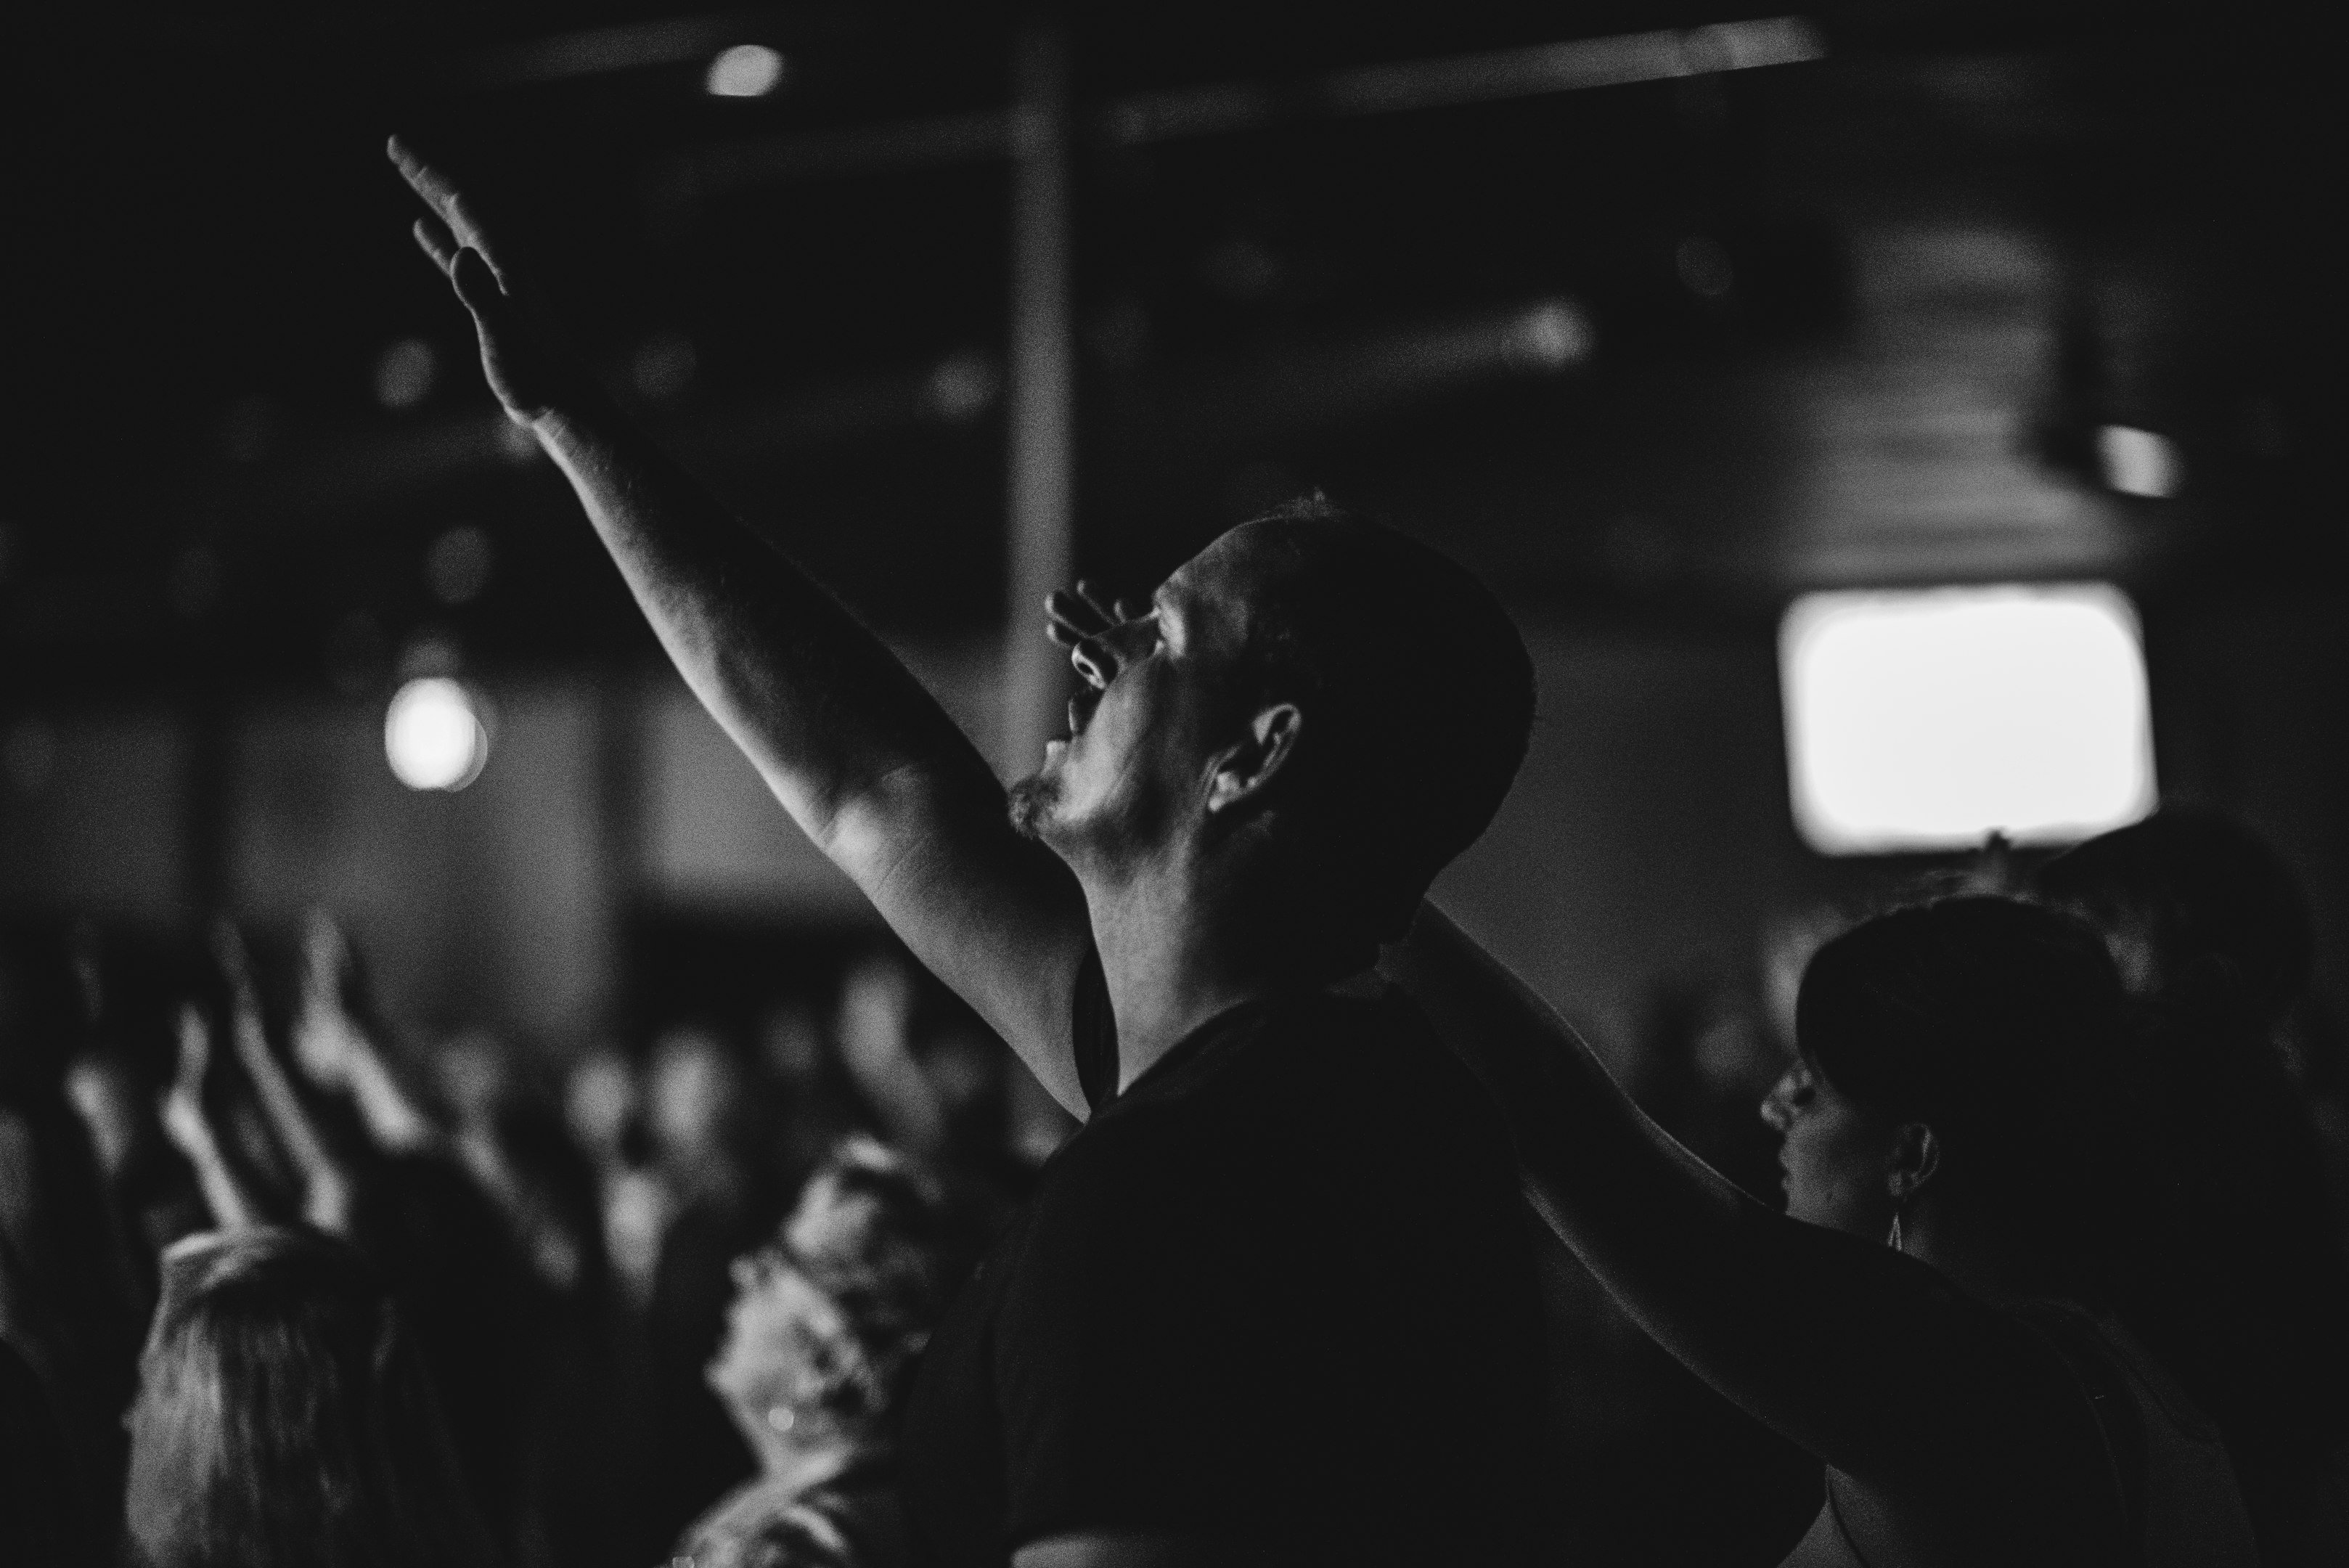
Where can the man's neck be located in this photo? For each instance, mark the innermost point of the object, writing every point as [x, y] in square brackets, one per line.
[1174, 956]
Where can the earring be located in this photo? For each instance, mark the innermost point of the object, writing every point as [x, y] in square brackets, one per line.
[1895, 1238]
[781, 1417]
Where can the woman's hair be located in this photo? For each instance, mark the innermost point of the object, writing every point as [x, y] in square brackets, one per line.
[868, 1234]
[284, 1418]
[2001, 1026]
[2128, 1151]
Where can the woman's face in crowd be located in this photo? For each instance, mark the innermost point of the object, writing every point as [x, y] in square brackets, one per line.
[1834, 1153]
[776, 1327]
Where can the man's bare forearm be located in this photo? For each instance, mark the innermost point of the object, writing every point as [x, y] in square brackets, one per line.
[856, 750]
[1837, 1343]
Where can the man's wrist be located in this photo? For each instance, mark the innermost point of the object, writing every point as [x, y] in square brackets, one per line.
[585, 419]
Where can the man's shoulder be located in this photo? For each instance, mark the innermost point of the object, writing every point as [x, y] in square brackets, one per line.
[1368, 1055]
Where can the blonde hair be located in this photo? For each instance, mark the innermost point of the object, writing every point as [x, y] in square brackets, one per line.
[285, 1418]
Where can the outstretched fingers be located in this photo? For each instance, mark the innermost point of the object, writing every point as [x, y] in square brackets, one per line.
[478, 286]
[433, 238]
[1068, 619]
[453, 224]
[1072, 615]
[436, 191]
[522, 371]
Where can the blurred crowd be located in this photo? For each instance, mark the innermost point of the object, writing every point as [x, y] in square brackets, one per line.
[605, 1265]
[280, 1283]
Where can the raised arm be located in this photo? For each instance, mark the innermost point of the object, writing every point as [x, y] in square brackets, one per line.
[337, 1048]
[1870, 1360]
[862, 756]
[327, 1186]
[189, 1127]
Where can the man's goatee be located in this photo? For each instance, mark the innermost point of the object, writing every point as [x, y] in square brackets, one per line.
[1027, 801]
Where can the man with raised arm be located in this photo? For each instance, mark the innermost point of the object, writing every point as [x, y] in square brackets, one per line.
[1275, 1303]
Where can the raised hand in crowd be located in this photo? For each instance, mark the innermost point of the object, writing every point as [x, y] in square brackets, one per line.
[187, 1122]
[326, 1186]
[337, 1046]
[531, 378]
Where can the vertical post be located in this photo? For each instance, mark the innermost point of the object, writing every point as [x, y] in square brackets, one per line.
[1041, 400]
[1041, 405]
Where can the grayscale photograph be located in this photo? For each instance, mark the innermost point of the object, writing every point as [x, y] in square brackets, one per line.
[875, 783]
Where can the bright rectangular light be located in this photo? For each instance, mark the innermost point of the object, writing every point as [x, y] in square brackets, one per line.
[1927, 719]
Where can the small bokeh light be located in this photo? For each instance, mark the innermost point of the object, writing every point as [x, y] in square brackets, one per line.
[1553, 336]
[1927, 720]
[404, 373]
[434, 734]
[746, 70]
[2139, 463]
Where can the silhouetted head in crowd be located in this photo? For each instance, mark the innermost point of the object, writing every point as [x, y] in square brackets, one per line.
[1315, 714]
[1956, 1071]
[828, 1318]
[2183, 886]
[604, 1105]
[2209, 926]
[66, 1292]
[1976, 1068]
[284, 1418]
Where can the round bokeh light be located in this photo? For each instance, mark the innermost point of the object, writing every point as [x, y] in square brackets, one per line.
[434, 736]
[746, 70]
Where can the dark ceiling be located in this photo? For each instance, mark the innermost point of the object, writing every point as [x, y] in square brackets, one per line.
[2094, 214]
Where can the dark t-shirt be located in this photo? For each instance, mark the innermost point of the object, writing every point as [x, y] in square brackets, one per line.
[1279, 1291]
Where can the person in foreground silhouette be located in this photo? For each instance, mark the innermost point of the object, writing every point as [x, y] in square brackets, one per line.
[1275, 1302]
[2210, 924]
[1946, 1313]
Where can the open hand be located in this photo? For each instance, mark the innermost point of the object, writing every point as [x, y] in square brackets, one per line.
[1072, 615]
[529, 376]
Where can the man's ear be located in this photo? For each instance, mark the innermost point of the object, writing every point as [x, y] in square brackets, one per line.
[1242, 772]
[1916, 1159]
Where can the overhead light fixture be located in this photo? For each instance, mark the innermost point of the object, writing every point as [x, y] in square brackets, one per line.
[434, 734]
[746, 70]
[1927, 720]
